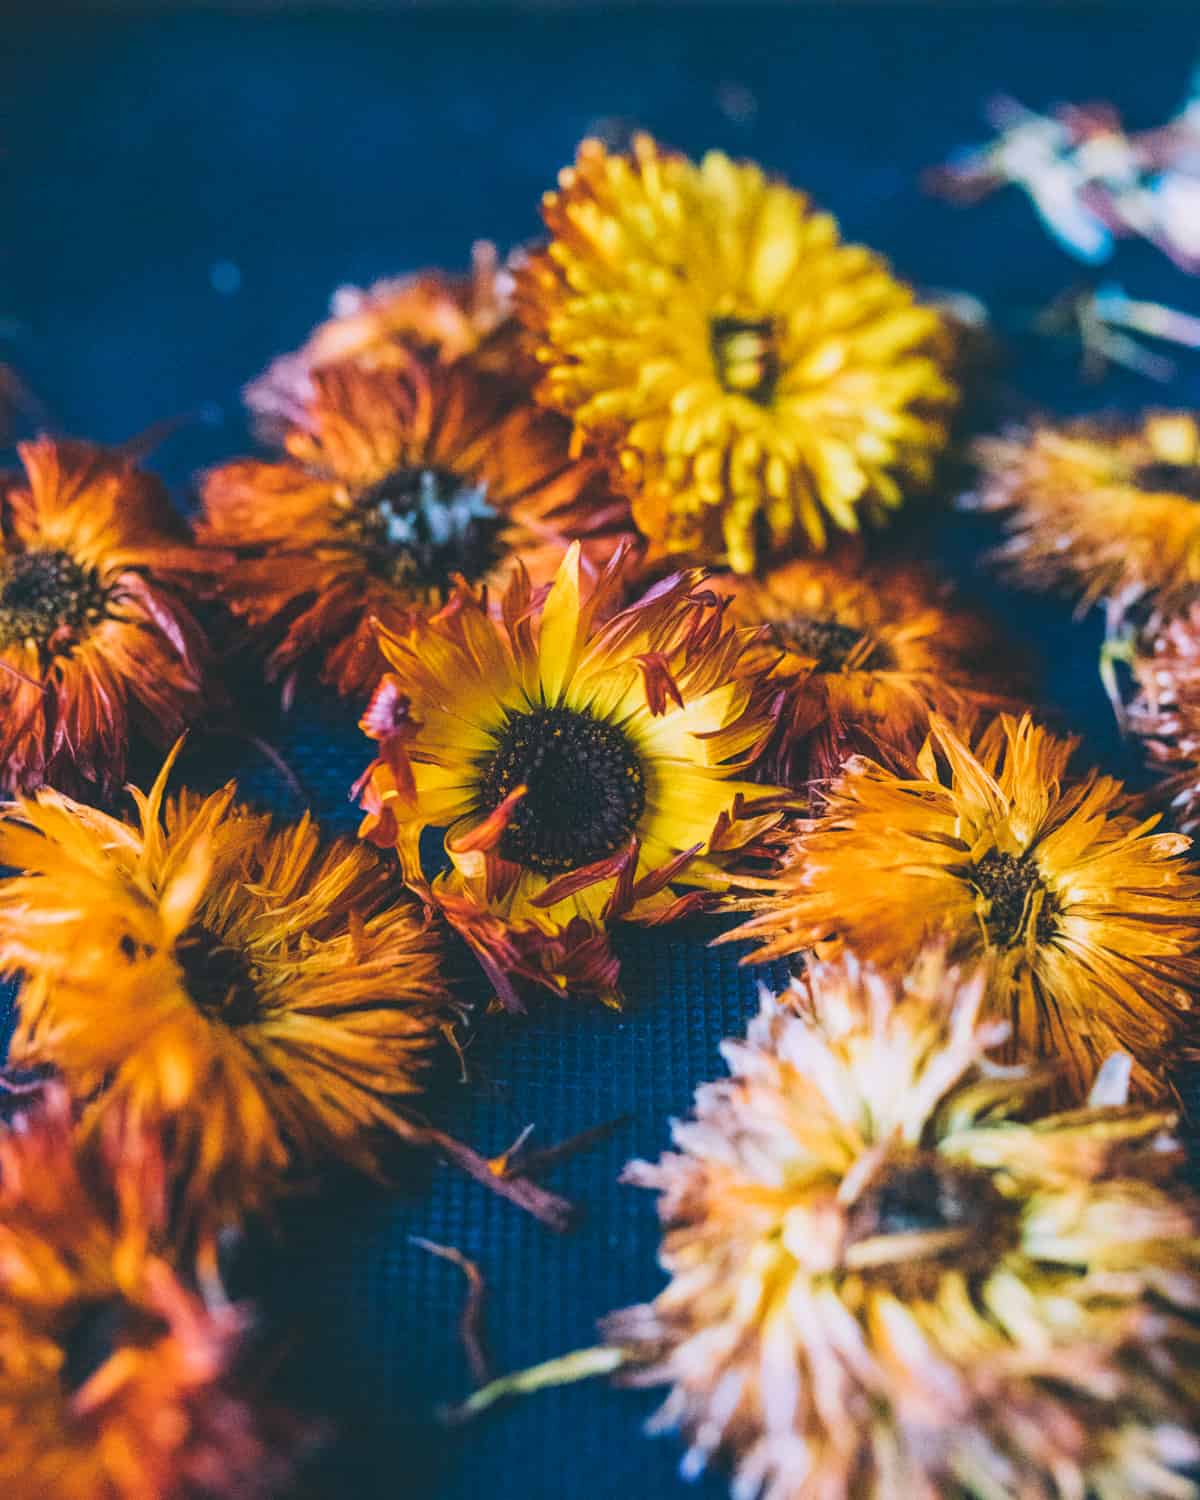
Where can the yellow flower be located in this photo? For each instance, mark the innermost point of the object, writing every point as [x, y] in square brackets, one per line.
[1101, 509]
[582, 763]
[1091, 920]
[262, 998]
[885, 1284]
[747, 373]
[117, 1381]
[865, 653]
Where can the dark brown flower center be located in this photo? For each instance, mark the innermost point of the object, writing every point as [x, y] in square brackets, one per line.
[94, 1332]
[420, 525]
[218, 978]
[1009, 882]
[967, 1220]
[586, 788]
[1175, 479]
[829, 643]
[42, 593]
[746, 354]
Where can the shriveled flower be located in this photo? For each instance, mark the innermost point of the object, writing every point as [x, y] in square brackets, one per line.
[1101, 509]
[1091, 920]
[888, 1279]
[263, 998]
[97, 644]
[867, 651]
[117, 1381]
[583, 765]
[443, 316]
[750, 377]
[395, 482]
[1165, 709]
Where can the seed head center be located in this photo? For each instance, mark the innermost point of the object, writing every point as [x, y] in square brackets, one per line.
[586, 788]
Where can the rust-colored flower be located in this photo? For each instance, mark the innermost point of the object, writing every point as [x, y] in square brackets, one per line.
[891, 1280]
[866, 652]
[97, 644]
[1089, 918]
[752, 380]
[1164, 657]
[117, 1380]
[395, 482]
[585, 766]
[263, 998]
[1101, 509]
[445, 317]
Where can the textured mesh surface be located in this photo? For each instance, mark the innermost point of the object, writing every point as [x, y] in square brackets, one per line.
[150, 157]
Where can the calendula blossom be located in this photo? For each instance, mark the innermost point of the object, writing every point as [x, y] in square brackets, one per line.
[891, 1276]
[1102, 509]
[264, 999]
[1088, 916]
[585, 765]
[753, 381]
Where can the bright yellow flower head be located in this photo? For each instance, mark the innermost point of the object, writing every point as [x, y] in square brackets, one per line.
[1090, 920]
[582, 763]
[260, 996]
[1100, 509]
[748, 374]
[888, 1281]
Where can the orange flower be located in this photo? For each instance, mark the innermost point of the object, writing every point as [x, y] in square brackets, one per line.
[117, 1382]
[866, 652]
[1089, 918]
[430, 312]
[96, 643]
[585, 766]
[395, 482]
[264, 998]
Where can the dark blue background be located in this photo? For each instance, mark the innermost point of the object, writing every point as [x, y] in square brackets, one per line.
[141, 158]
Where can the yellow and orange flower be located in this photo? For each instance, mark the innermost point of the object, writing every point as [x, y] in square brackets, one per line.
[395, 482]
[1090, 919]
[866, 653]
[445, 317]
[265, 999]
[891, 1279]
[97, 644]
[1104, 510]
[117, 1381]
[751, 378]
[583, 764]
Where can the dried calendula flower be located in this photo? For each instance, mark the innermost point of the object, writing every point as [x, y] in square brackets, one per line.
[431, 312]
[97, 641]
[751, 378]
[587, 767]
[890, 1278]
[394, 483]
[1090, 917]
[1102, 509]
[1164, 710]
[264, 998]
[865, 652]
[118, 1379]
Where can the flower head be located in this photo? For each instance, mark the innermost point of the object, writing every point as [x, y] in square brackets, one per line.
[395, 482]
[867, 652]
[444, 317]
[1100, 509]
[748, 375]
[263, 997]
[1165, 709]
[583, 764]
[885, 1282]
[1089, 918]
[117, 1382]
[96, 642]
